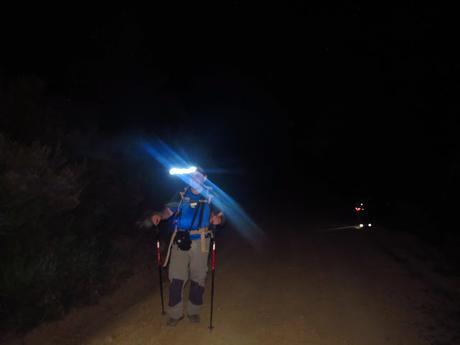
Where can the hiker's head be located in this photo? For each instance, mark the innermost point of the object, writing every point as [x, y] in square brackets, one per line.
[197, 179]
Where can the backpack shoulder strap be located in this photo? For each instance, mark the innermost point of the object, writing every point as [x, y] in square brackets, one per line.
[182, 195]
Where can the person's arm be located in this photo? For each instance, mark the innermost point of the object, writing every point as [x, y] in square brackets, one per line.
[217, 217]
[167, 212]
[157, 217]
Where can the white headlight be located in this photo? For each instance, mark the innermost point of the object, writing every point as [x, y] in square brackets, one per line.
[182, 171]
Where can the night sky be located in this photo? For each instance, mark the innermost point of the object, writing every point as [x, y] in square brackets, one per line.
[360, 99]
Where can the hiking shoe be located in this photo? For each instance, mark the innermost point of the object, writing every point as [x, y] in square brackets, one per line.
[173, 322]
[194, 318]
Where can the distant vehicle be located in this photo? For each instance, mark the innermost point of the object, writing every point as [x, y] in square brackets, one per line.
[362, 216]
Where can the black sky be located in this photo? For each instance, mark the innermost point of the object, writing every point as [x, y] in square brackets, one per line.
[363, 96]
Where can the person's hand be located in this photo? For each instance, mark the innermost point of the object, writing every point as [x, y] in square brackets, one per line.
[156, 219]
[216, 219]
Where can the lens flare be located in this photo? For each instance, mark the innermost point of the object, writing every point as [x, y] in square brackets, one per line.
[235, 214]
[182, 171]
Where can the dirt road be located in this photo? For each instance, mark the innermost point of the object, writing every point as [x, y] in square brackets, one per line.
[306, 286]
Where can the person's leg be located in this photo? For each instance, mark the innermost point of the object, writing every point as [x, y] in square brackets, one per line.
[178, 275]
[198, 271]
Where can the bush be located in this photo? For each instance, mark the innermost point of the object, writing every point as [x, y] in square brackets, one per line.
[39, 191]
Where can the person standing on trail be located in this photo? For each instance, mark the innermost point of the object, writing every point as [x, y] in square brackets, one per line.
[189, 245]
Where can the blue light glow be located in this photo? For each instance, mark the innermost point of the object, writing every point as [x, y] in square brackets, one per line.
[234, 213]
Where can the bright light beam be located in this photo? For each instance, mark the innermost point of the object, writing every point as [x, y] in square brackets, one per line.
[182, 171]
[236, 215]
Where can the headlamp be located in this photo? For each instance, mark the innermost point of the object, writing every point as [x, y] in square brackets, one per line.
[182, 171]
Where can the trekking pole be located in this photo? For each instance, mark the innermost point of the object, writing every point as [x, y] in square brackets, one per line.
[160, 271]
[213, 270]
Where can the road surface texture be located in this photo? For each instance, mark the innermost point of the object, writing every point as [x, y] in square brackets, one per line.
[308, 284]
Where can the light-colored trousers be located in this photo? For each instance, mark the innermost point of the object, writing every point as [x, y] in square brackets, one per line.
[187, 265]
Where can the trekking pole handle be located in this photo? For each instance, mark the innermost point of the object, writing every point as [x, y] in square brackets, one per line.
[158, 253]
[213, 256]
[213, 271]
